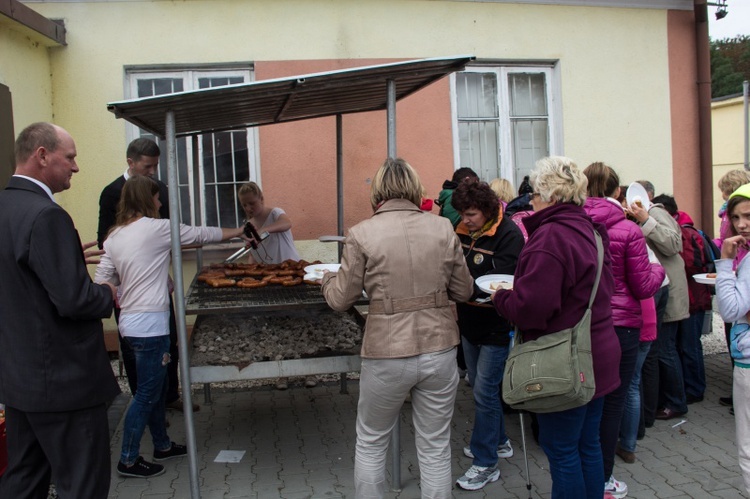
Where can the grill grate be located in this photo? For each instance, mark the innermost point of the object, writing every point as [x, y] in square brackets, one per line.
[204, 299]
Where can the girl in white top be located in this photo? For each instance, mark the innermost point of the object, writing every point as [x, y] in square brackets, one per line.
[279, 245]
[276, 248]
[733, 297]
[136, 259]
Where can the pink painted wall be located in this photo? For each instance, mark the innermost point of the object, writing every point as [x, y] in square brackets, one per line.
[298, 160]
[684, 114]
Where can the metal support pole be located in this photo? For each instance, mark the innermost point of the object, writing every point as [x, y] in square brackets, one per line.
[396, 434]
[340, 178]
[391, 117]
[196, 197]
[179, 302]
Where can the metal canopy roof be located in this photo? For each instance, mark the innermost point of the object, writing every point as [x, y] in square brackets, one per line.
[284, 99]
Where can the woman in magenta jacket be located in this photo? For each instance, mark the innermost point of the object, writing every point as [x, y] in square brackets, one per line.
[553, 282]
[636, 278]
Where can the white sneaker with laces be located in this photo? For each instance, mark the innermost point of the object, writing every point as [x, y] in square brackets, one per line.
[477, 477]
[504, 451]
[616, 488]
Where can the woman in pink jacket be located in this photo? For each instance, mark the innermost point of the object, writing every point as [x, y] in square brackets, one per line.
[636, 278]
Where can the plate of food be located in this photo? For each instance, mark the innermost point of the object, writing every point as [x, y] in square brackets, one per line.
[709, 278]
[316, 271]
[636, 194]
[492, 282]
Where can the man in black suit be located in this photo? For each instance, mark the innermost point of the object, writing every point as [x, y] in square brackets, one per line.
[142, 156]
[55, 375]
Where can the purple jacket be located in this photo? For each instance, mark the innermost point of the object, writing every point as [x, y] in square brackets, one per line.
[553, 281]
[635, 277]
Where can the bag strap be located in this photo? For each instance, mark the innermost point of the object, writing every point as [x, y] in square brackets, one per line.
[600, 264]
[516, 336]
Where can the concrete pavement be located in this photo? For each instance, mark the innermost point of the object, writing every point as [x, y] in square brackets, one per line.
[299, 444]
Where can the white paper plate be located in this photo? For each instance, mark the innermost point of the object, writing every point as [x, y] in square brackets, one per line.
[317, 270]
[636, 192]
[499, 281]
[704, 279]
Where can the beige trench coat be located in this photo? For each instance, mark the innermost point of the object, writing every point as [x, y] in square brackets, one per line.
[410, 264]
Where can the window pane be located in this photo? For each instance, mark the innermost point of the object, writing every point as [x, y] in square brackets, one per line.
[185, 205]
[227, 206]
[224, 157]
[527, 94]
[479, 148]
[530, 143]
[477, 95]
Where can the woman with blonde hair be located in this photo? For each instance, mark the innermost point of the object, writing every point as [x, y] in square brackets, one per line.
[553, 284]
[503, 189]
[410, 264]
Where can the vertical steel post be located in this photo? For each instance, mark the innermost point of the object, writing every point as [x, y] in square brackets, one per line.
[396, 434]
[179, 302]
[340, 178]
[196, 197]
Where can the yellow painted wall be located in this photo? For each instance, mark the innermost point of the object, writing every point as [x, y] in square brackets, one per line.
[615, 94]
[25, 69]
[727, 140]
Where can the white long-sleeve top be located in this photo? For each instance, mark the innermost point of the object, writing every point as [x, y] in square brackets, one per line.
[732, 291]
[137, 258]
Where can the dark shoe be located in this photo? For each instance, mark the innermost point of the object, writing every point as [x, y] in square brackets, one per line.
[176, 450]
[667, 413]
[692, 399]
[177, 406]
[627, 456]
[731, 411]
[140, 469]
[726, 401]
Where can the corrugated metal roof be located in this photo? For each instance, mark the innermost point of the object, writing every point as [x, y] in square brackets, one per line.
[285, 99]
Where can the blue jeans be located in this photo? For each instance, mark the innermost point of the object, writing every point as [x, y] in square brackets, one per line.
[671, 384]
[570, 439]
[485, 364]
[691, 354]
[151, 360]
[632, 412]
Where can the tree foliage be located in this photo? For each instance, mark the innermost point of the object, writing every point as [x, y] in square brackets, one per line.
[730, 65]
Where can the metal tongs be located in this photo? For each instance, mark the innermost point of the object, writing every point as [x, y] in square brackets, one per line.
[255, 239]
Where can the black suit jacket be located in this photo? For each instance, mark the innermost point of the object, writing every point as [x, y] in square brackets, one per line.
[108, 206]
[52, 353]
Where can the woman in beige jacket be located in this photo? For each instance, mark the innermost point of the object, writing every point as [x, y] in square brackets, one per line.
[410, 265]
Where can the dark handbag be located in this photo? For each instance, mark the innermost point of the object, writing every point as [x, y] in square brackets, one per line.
[556, 371]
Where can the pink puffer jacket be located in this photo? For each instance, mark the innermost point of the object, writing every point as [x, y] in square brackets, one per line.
[635, 277]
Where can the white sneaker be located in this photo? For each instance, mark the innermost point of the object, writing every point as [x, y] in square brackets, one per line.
[616, 488]
[503, 451]
[477, 477]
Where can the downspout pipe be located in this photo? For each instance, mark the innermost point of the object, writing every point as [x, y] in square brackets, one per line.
[703, 57]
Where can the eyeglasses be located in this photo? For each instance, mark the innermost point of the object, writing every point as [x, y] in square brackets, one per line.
[535, 194]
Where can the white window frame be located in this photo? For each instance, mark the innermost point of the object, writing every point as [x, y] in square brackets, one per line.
[190, 76]
[505, 139]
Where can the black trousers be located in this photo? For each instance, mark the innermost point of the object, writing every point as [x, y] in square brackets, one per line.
[128, 358]
[71, 448]
[650, 372]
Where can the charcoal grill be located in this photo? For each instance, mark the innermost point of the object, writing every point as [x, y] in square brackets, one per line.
[203, 299]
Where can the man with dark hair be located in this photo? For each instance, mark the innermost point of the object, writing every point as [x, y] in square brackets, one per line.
[55, 375]
[142, 156]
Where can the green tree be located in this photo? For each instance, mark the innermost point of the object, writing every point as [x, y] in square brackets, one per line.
[730, 65]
